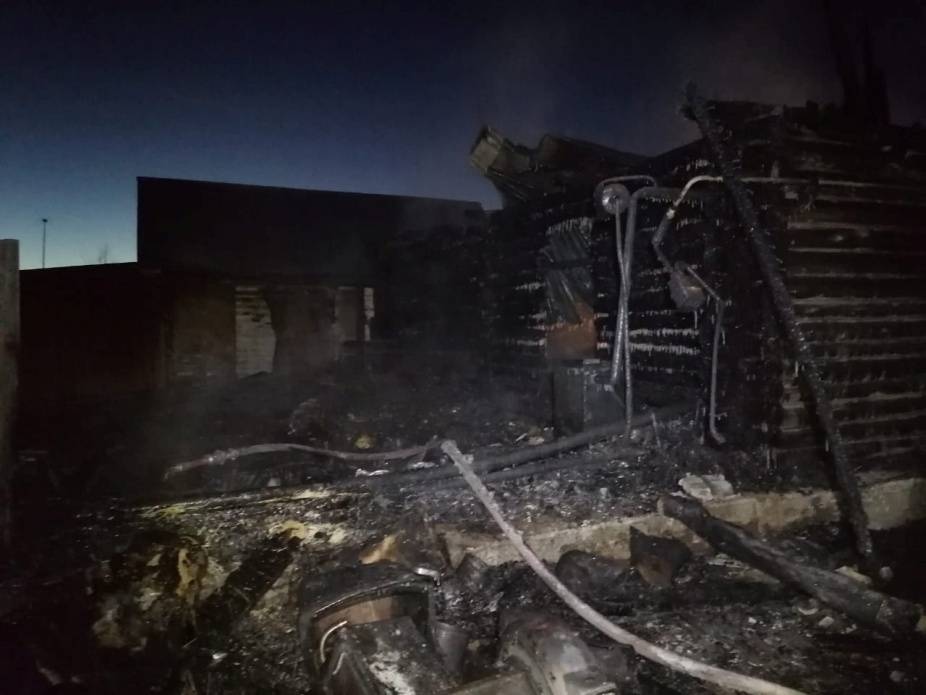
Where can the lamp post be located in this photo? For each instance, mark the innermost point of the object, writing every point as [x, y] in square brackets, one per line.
[44, 231]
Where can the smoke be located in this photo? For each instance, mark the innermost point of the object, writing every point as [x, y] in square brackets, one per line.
[525, 63]
[616, 73]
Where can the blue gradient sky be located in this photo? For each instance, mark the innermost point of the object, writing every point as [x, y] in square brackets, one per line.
[368, 97]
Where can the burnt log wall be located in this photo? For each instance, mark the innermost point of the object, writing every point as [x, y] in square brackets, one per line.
[516, 315]
[429, 298]
[666, 344]
[854, 254]
[847, 216]
[846, 209]
[669, 348]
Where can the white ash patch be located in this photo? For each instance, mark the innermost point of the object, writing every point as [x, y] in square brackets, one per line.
[385, 669]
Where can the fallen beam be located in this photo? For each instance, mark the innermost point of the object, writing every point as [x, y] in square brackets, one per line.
[884, 613]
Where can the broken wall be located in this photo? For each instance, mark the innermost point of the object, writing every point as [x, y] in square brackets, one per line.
[201, 344]
[845, 208]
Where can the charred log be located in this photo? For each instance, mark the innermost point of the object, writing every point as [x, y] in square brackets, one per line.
[784, 307]
[886, 614]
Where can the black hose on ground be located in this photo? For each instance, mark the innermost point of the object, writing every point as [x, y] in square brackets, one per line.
[490, 464]
[428, 476]
[574, 462]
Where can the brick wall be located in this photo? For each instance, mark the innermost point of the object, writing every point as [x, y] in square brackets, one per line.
[202, 331]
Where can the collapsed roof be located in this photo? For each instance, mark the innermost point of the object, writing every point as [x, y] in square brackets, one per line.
[556, 165]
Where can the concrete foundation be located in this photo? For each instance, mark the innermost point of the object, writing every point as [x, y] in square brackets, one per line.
[889, 502]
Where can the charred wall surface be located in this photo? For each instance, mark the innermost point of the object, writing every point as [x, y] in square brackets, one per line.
[88, 333]
[845, 208]
[552, 288]
[430, 294]
[851, 242]
[201, 341]
[517, 312]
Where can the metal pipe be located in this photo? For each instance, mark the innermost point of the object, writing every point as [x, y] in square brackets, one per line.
[616, 206]
[720, 305]
[650, 180]
[712, 407]
[661, 231]
[616, 348]
[659, 237]
[622, 336]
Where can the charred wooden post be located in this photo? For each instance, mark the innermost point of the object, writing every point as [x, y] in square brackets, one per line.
[886, 614]
[784, 306]
[9, 375]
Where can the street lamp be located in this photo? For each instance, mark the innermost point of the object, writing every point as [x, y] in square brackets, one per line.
[44, 231]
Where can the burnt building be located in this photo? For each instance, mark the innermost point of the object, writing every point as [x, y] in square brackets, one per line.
[843, 206]
[235, 280]
[727, 324]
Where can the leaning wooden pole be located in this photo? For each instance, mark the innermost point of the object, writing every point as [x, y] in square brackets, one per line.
[9, 375]
[770, 269]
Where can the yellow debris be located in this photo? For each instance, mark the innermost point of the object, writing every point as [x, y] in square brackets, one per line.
[364, 441]
[386, 549]
[295, 529]
[192, 563]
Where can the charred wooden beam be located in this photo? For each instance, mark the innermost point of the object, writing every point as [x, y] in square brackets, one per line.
[784, 306]
[884, 613]
[556, 165]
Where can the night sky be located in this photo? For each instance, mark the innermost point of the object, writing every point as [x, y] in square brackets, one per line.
[367, 97]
